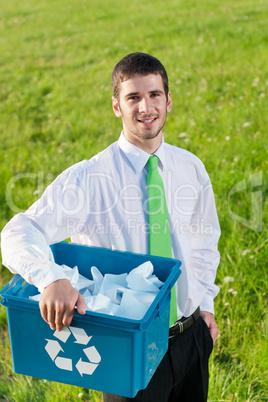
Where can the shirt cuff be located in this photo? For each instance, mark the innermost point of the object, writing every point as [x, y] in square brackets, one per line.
[207, 304]
[40, 276]
[50, 277]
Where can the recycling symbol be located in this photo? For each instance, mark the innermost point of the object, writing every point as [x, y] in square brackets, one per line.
[53, 348]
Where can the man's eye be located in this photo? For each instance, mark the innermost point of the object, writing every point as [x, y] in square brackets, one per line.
[133, 98]
[154, 95]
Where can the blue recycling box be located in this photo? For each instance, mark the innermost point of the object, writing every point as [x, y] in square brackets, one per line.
[98, 351]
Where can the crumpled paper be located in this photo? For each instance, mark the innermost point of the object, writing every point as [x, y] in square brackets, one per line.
[125, 295]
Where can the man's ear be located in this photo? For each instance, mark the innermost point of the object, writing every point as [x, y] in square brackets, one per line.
[169, 102]
[116, 107]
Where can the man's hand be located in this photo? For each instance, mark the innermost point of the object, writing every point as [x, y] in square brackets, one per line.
[58, 303]
[211, 323]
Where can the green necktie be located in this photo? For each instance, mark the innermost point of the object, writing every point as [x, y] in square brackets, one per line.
[159, 240]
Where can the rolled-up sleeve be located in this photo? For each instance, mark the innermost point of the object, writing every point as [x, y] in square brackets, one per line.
[25, 240]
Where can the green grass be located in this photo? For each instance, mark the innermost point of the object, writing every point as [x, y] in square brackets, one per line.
[55, 109]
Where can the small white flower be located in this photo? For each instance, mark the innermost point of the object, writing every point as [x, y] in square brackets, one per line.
[255, 82]
[50, 176]
[38, 191]
[246, 251]
[227, 138]
[231, 290]
[246, 124]
[228, 279]
[183, 135]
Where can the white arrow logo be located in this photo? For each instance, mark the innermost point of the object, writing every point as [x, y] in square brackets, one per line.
[92, 354]
[64, 363]
[53, 348]
[85, 368]
[63, 335]
[80, 335]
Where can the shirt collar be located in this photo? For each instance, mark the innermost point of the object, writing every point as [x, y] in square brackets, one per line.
[137, 157]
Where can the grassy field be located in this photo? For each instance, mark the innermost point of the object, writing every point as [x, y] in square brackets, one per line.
[55, 66]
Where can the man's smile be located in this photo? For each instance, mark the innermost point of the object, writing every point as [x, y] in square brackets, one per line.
[147, 122]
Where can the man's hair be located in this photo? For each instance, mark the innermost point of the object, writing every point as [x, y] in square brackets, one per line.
[140, 64]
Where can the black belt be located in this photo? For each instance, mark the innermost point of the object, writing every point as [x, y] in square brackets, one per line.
[183, 324]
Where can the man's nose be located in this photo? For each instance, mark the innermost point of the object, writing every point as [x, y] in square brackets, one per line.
[145, 105]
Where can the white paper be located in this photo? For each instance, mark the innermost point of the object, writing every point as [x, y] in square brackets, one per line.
[97, 279]
[131, 307]
[125, 295]
[103, 304]
[139, 278]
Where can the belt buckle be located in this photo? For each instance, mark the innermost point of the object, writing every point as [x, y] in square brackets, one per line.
[180, 327]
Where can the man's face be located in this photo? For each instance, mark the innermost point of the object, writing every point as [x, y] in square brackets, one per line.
[143, 107]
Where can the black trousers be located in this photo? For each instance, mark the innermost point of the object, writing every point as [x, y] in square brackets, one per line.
[182, 375]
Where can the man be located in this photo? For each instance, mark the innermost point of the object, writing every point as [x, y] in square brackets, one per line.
[109, 192]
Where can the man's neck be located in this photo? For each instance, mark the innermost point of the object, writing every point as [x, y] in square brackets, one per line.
[147, 145]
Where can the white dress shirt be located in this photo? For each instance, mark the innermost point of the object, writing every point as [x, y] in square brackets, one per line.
[103, 202]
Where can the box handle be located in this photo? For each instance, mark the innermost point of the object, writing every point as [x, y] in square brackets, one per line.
[14, 285]
[3, 302]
